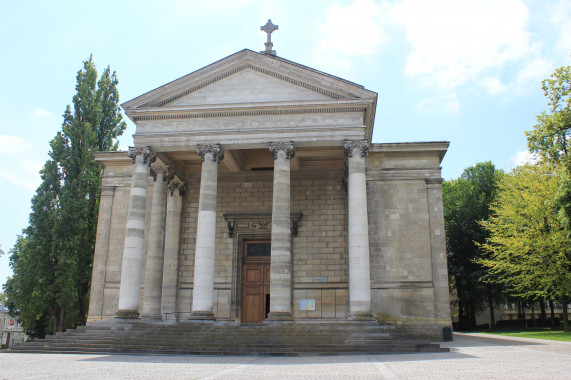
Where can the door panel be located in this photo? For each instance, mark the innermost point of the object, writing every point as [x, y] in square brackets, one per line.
[255, 281]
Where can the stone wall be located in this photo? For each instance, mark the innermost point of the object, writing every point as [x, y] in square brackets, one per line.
[319, 250]
[409, 283]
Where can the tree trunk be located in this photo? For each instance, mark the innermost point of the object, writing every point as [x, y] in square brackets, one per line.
[60, 319]
[552, 309]
[533, 315]
[461, 316]
[520, 313]
[491, 307]
[542, 308]
[473, 323]
[564, 302]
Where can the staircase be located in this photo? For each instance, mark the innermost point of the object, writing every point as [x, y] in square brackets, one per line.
[227, 338]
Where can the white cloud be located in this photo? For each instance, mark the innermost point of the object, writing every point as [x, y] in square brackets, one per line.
[22, 162]
[352, 30]
[493, 85]
[534, 71]
[41, 113]
[523, 157]
[561, 20]
[454, 42]
[442, 102]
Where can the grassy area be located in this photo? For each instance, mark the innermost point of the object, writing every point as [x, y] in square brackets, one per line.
[536, 333]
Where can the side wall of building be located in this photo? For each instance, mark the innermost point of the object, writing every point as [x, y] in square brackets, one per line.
[409, 280]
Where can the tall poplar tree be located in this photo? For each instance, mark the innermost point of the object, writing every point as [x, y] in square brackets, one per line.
[52, 258]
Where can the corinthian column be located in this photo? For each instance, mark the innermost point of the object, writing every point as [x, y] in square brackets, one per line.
[129, 289]
[154, 277]
[359, 271]
[203, 292]
[281, 260]
[172, 242]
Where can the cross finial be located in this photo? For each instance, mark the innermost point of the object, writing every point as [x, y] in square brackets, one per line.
[269, 28]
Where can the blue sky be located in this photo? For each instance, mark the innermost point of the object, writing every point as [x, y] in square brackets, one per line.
[464, 71]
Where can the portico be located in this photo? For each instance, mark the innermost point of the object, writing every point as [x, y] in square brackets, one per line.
[253, 188]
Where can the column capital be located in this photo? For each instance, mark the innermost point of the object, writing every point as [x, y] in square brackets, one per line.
[286, 146]
[145, 151]
[214, 149]
[433, 181]
[362, 145]
[180, 186]
[164, 171]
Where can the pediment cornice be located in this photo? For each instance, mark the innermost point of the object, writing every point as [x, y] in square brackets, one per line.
[290, 72]
[262, 109]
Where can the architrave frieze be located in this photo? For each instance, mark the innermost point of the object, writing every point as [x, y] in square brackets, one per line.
[166, 114]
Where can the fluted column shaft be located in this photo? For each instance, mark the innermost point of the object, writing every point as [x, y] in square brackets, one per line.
[154, 269]
[172, 242]
[203, 292]
[281, 255]
[100, 253]
[129, 290]
[359, 269]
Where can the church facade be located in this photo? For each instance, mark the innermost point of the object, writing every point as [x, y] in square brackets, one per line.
[253, 193]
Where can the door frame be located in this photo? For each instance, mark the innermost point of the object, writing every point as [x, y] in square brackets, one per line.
[265, 263]
[238, 266]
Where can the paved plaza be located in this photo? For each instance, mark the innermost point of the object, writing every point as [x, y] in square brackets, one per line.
[471, 357]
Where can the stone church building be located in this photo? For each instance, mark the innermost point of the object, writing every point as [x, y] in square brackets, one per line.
[254, 193]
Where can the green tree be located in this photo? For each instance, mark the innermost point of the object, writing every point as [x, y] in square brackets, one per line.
[549, 139]
[528, 248]
[467, 200]
[52, 259]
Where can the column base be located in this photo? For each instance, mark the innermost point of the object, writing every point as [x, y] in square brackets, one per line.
[128, 314]
[280, 316]
[202, 316]
[152, 317]
[361, 317]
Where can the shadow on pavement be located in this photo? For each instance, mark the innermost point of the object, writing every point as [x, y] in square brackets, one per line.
[277, 360]
[475, 340]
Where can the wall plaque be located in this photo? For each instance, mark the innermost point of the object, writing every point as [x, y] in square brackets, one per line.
[306, 304]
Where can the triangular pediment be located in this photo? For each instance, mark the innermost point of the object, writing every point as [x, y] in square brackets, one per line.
[248, 85]
[248, 78]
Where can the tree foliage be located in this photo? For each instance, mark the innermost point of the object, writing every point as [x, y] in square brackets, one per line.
[52, 258]
[550, 136]
[550, 140]
[528, 248]
[467, 200]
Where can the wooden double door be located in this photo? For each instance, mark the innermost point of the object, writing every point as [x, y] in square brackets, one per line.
[256, 280]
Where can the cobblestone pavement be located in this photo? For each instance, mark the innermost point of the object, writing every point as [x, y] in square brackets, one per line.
[472, 356]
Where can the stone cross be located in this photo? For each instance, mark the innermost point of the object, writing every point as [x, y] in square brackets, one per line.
[269, 28]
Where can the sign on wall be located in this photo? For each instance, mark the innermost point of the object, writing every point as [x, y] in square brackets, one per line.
[306, 304]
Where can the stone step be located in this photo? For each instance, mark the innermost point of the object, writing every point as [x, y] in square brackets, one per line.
[226, 338]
